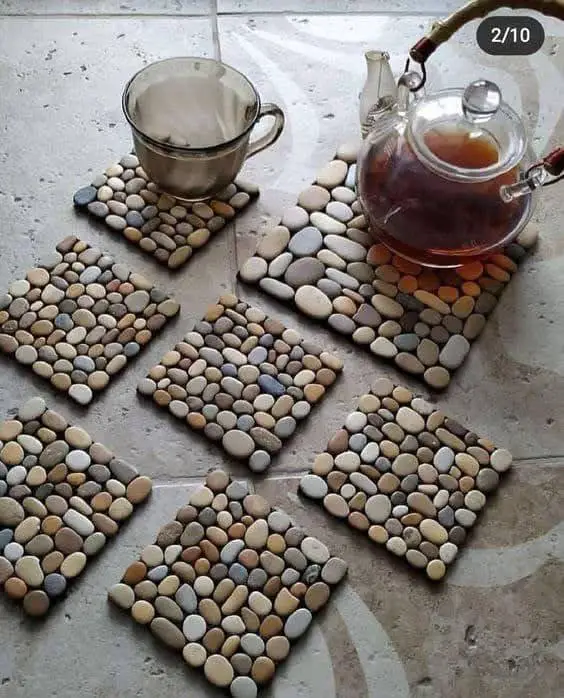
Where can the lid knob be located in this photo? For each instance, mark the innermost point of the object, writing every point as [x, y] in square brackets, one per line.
[481, 100]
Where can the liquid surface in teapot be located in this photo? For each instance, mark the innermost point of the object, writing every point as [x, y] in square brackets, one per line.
[433, 219]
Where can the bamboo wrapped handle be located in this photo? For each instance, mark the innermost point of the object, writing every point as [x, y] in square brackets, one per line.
[442, 30]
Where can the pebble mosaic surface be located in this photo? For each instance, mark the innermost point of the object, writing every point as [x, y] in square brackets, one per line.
[78, 318]
[61, 497]
[169, 229]
[322, 258]
[406, 475]
[243, 379]
[230, 583]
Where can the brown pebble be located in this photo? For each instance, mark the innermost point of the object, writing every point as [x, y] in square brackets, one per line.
[139, 489]
[237, 530]
[210, 611]
[230, 646]
[336, 480]
[196, 420]
[263, 669]
[136, 572]
[52, 562]
[36, 603]
[104, 524]
[169, 533]
[214, 639]
[271, 626]
[278, 648]
[76, 479]
[256, 506]
[285, 603]
[51, 524]
[339, 442]
[15, 587]
[298, 589]
[184, 571]
[250, 619]
[101, 501]
[223, 590]
[186, 514]
[67, 541]
[58, 473]
[317, 596]
[249, 558]
[276, 543]
[202, 567]
[191, 554]
[359, 521]
[217, 480]
[272, 587]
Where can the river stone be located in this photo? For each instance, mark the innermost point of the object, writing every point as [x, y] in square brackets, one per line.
[314, 198]
[274, 243]
[238, 443]
[295, 218]
[297, 623]
[454, 352]
[307, 270]
[378, 508]
[11, 512]
[313, 302]
[253, 269]
[277, 289]
[332, 174]
[243, 687]
[306, 242]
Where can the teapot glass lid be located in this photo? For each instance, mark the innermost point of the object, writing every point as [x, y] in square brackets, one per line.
[468, 134]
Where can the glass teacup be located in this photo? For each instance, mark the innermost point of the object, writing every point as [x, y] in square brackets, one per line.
[191, 120]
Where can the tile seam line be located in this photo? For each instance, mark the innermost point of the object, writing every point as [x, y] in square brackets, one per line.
[262, 15]
[287, 474]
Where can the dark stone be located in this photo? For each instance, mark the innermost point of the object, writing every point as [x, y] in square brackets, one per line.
[409, 302]
[409, 483]
[406, 342]
[54, 585]
[6, 535]
[207, 517]
[229, 370]
[85, 196]
[311, 574]
[270, 385]
[134, 219]
[373, 433]
[238, 573]
[257, 579]
[398, 498]
[446, 516]
[383, 464]
[455, 427]
[457, 535]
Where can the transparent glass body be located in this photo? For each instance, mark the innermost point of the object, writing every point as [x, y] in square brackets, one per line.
[433, 176]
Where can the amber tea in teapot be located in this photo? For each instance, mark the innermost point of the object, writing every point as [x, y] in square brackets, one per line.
[415, 204]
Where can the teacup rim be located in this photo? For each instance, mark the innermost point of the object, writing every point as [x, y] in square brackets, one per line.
[187, 148]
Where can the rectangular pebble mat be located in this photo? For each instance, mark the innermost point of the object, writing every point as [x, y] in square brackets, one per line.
[61, 497]
[406, 475]
[230, 583]
[78, 318]
[324, 260]
[243, 379]
[164, 227]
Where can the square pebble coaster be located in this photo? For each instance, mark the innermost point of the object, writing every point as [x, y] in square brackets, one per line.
[164, 227]
[78, 318]
[230, 583]
[243, 379]
[324, 260]
[406, 475]
[62, 496]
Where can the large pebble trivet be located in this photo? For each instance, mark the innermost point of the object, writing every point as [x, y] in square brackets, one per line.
[243, 379]
[78, 318]
[406, 475]
[231, 584]
[323, 258]
[62, 496]
[166, 228]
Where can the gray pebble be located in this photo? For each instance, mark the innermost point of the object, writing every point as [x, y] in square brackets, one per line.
[311, 574]
[245, 423]
[257, 578]
[238, 573]
[54, 585]
[285, 427]
[306, 242]
[297, 623]
[186, 598]
[259, 461]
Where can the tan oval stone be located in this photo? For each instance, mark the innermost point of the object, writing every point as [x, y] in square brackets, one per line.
[218, 670]
[419, 502]
[122, 595]
[12, 453]
[139, 489]
[278, 648]
[285, 603]
[10, 429]
[29, 569]
[257, 534]
[28, 528]
[73, 565]
[433, 531]
[142, 612]
[235, 600]
[11, 512]
[467, 463]
[317, 596]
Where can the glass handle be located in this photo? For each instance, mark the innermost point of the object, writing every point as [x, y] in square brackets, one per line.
[274, 132]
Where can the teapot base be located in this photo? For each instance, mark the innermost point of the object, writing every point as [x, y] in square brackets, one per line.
[437, 258]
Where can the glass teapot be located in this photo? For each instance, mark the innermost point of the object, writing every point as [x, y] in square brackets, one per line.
[449, 177]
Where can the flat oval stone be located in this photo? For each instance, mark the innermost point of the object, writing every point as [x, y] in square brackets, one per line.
[218, 670]
[314, 550]
[253, 269]
[332, 174]
[313, 486]
[29, 569]
[347, 249]
[334, 570]
[307, 270]
[314, 198]
[297, 623]
[306, 243]
[378, 508]
[433, 531]
[454, 352]
[238, 443]
[11, 512]
[168, 633]
[274, 243]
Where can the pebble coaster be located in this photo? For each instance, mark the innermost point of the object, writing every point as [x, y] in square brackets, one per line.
[231, 583]
[169, 229]
[61, 497]
[78, 318]
[243, 379]
[406, 475]
[322, 258]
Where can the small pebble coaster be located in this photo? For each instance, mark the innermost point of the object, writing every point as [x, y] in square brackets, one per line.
[169, 229]
[408, 476]
[243, 379]
[78, 318]
[61, 497]
[324, 260]
[230, 583]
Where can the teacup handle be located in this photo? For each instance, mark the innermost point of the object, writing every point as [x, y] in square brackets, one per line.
[274, 132]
